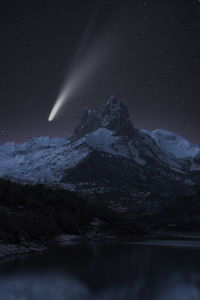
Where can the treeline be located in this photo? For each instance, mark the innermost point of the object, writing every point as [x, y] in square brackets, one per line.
[34, 212]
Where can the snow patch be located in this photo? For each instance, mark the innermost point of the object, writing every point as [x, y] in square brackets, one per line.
[172, 143]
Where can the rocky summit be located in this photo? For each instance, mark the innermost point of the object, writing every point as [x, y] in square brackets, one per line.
[113, 116]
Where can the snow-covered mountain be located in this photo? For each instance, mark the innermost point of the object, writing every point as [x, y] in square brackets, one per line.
[106, 154]
[174, 145]
[176, 148]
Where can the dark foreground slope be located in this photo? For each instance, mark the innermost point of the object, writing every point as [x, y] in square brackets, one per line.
[34, 212]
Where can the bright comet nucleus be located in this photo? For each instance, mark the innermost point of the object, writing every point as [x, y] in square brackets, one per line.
[58, 104]
[54, 110]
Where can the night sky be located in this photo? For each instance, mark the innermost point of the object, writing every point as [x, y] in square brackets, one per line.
[152, 62]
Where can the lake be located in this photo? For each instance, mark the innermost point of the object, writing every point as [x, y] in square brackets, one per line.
[104, 271]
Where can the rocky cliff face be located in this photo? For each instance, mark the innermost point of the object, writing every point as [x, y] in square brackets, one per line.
[113, 115]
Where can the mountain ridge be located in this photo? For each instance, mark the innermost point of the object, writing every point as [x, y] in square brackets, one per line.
[105, 156]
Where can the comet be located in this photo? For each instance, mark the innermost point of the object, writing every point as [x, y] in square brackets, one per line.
[84, 64]
[60, 101]
[89, 66]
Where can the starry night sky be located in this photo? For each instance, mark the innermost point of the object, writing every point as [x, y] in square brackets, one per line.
[153, 63]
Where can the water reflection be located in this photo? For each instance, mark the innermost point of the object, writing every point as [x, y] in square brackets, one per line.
[104, 271]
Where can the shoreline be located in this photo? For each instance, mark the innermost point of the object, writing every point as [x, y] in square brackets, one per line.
[10, 250]
[155, 238]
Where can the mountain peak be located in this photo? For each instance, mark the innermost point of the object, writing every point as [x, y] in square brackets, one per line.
[112, 101]
[87, 123]
[113, 115]
[114, 104]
